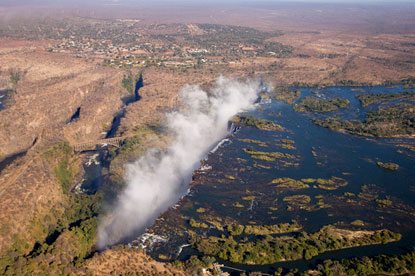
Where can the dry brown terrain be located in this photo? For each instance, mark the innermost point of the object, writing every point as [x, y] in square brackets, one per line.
[371, 59]
[160, 94]
[51, 89]
[127, 261]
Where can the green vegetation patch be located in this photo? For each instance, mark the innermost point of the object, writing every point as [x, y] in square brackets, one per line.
[391, 121]
[385, 202]
[256, 142]
[321, 203]
[379, 265]
[65, 167]
[368, 99]
[286, 95]
[238, 205]
[271, 249]
[64, 174]
[260, 166]
[287, 144]
[357, 222]
[290, 183]
[59, 150]
[195, 224]
[268, 156]
[129, 81]
[235, 229]
[264, 230]
[15, 77]
[248, 198]
[65, 254]
[313, 104]
[388, 166]
[258, 123]
[298, 202]
[330, 184]
[132, 147]
[230, 177]
[66, 233]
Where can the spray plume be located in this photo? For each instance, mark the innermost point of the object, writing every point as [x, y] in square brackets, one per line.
[157, 180]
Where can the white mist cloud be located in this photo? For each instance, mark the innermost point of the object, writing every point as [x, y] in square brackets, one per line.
[157, 180]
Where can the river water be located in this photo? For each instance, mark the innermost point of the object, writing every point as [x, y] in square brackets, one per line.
[229, 174]
[97, 161]
[3, 96]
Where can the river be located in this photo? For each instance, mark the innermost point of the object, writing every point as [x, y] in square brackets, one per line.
[229, 174]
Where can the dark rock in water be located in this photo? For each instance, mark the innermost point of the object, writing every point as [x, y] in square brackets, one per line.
[233, 128]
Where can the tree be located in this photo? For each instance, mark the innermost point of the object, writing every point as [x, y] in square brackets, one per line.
[310, 252]
[127, 83]
[15, 77]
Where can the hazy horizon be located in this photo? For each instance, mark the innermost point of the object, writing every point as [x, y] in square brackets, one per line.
[194, 2]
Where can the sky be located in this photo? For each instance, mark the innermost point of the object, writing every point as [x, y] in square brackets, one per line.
[192, 3]
[19, 2]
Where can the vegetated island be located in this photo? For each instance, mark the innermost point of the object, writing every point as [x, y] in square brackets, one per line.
[234, 245]
[314, 104]
[258, 123]
[388, 166]
[394, 117]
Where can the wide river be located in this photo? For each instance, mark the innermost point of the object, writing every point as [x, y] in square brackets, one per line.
[233, 184]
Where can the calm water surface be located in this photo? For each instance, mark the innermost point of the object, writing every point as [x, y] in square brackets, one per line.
[229, 174]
